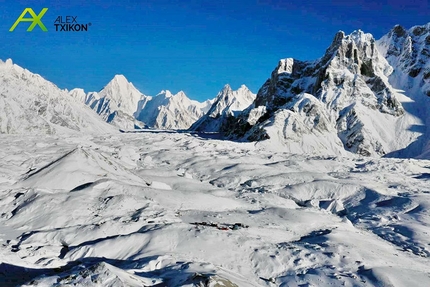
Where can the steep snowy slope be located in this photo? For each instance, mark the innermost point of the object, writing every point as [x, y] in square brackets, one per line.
[226, 104]
[117, 103]
[30, 104]
[206, 105]
[123, 94]
[342, 101]
[168, 111]
[408, 52]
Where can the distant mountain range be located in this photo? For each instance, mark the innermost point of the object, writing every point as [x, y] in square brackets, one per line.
[365, 96]
[122, 105]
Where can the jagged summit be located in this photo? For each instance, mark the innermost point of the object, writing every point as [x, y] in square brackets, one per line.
[340, 38]
[350, 97]
[226, 88]
[123, 93]
[8, 62]
[170, 111]
[332, 98]
[408, 52]
[116, 103]
[226, 104]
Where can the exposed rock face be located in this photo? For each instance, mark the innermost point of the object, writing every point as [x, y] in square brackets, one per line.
[408, 52]
[344, 96]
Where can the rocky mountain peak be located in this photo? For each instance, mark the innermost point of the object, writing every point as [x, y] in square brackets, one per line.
[409, 52]
[330, 96]
[226, 88]
[398, 31]
[226, 105]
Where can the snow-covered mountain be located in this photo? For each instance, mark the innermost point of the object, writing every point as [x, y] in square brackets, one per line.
[116, 103]
[408, 52]
[342, 101]
[31, 104]
[121, 104]
[226, 104]
[168, 111]
[170, 209]
[206, 105]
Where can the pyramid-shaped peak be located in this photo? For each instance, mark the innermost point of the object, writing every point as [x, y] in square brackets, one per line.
[119, 83]
[226, 88]
[119, 78]
[180, 94]
[243, 87]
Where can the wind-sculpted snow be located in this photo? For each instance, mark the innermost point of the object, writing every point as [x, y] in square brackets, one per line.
[172, 209]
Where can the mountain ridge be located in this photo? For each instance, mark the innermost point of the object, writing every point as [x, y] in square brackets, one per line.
[408, 50]
[31, 104]
[225, 105]
[351, 82]
[124, 106]
[364, 96]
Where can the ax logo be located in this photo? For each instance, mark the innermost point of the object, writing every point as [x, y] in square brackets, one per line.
[35, 19]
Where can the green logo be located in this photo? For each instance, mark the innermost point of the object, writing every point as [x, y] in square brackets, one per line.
[36, 19]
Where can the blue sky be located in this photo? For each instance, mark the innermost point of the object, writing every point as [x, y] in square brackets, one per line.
[196, 46]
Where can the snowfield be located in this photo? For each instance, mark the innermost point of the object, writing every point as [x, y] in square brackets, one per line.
[161, 208]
